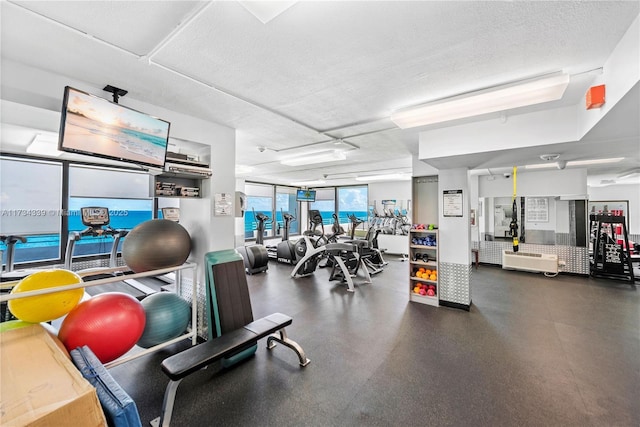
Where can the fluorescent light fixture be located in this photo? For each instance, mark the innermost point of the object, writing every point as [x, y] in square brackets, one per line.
[502, 98]
[553, 165]
[242, 169]
[265, 11]
[308, 183]
[634, 173]
[45, 145]
[594, 161]
[387, 177]
[313, 158]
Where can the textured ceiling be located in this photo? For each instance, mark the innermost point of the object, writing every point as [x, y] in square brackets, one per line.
[318, 72]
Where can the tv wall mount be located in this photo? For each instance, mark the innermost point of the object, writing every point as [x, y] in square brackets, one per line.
[116, 91]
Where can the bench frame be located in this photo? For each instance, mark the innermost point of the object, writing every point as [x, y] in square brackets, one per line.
[183, 364]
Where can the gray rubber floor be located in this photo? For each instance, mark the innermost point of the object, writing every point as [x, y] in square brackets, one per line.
[532, 351]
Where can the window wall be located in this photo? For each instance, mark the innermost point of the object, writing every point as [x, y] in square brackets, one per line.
[32, 208]
[325, 203]
[286, 204]
[124, 193]
[273, 201]
[41, 200]
[259, 200]
[353, 201]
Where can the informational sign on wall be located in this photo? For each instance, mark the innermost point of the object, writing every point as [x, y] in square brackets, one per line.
[223, 204]
[452, 203]
[537, 209]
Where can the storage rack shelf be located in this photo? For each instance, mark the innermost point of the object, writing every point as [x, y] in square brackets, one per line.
[418, 249]
[191, 333]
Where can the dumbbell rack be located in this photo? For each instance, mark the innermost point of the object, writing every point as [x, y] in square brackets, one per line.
[417, 252]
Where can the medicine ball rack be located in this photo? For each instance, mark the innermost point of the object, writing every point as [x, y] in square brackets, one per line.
[423, 253]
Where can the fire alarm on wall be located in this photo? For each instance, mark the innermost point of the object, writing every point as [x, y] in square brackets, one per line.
[595, 97]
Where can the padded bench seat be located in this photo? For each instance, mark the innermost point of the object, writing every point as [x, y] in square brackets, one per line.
[195, 358]
[182, 364]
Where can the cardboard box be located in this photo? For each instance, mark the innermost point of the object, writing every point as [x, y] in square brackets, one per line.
[40, 386]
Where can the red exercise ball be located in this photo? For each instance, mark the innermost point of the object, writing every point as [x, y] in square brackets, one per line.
[110, 324]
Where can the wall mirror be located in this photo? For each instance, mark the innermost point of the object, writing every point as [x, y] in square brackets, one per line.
[542, 220]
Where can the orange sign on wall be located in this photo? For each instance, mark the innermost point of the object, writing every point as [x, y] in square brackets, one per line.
[595, 97]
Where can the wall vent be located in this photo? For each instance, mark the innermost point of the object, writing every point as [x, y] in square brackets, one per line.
[547, 263]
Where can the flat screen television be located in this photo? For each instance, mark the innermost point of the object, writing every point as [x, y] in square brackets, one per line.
[98, 127]
[306, 196]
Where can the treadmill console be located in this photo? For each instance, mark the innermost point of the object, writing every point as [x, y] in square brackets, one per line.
[95, 216]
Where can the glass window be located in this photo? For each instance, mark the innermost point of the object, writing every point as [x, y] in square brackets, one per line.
[259, 200]
[94, 181]
[31, 207]
[124, 193]
[352, 202]
[286, 204]
[325, 203]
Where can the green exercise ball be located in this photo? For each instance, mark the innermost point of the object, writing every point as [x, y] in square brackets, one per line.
[168, 316]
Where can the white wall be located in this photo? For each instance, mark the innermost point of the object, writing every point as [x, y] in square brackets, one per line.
[544, 183]
[519, 131]
[630, 192]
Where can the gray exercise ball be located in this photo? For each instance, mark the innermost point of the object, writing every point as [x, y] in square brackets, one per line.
[155, 244]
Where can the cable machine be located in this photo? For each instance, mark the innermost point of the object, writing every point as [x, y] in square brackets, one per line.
[610, 245]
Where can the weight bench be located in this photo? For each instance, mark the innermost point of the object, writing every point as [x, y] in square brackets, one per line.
[183, 364]
[233, 334]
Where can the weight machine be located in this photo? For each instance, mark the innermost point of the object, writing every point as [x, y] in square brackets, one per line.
[609, 239]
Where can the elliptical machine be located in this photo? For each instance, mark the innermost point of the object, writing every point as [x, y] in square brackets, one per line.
[310, 249]
[256, 257]
[373, 259]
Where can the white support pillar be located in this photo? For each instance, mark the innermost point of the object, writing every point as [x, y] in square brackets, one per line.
[454, 272]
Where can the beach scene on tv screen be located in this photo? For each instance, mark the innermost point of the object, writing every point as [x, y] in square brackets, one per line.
[97, 126]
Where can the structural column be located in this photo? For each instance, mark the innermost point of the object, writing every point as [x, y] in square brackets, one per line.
[454, 272]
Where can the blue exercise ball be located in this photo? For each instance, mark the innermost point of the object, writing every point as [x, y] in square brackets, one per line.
[155, 244]
[168, 317]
